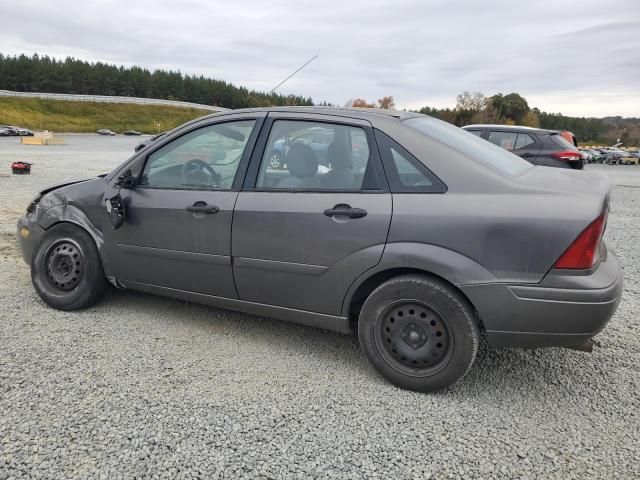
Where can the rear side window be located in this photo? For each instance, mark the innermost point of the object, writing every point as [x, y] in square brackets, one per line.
[524, 140]
[316, 156]
[506, 140]
[406, 173]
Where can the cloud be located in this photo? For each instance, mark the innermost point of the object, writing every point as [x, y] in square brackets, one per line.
[581, 58]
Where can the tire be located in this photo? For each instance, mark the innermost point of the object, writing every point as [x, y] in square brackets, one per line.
[418, 332]
[552, 162]
[275, 161]
[66, 270]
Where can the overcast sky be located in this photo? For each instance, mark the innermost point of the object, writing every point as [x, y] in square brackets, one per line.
[579, 57]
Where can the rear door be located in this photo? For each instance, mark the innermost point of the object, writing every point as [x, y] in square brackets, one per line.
[302, 235]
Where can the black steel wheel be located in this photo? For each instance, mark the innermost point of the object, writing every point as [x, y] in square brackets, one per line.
[413, 337]
[65, 264]
[66, 269]
[419, 332]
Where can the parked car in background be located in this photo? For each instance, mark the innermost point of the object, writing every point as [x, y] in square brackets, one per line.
[591, 155]
[617, 150]
[12, 131]
[24, 132]
[418, 236]
[587, 155]
[105, 131]
[629, 158]
[537, 146]
[131, 132]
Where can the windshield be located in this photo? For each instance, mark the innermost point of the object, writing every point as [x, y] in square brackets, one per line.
[472, 146]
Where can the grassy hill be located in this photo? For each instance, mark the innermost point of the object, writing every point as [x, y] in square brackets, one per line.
[68, 116]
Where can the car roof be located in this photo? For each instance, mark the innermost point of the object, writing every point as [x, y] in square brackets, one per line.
[514, 128]
[350, 112]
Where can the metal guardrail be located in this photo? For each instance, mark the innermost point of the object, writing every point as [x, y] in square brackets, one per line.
[111, 99]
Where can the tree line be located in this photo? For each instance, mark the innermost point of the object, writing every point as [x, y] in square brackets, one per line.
[513, 109]
[47, 74]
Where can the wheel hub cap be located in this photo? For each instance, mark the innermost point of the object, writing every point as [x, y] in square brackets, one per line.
[414, 335]
[65, 265]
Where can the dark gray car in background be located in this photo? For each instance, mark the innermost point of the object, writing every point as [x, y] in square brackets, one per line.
[425, 239]
[536, 145]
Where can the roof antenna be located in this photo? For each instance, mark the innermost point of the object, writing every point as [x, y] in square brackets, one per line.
[301, 67]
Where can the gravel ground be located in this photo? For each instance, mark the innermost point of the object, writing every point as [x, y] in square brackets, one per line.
[141, 386]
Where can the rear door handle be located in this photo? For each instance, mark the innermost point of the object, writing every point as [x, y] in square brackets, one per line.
[202, 207]
[526, 155]
[342, 209]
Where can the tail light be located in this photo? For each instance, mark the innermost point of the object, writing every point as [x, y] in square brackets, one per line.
[567, 155]
[582, 254]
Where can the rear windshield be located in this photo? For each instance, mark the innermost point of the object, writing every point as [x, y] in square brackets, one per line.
[475, 148]
[563, 142]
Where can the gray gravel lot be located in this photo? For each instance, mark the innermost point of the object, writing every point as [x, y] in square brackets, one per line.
[151, 387]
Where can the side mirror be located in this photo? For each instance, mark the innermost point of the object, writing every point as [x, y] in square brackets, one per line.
[126, 180]
[116, 211]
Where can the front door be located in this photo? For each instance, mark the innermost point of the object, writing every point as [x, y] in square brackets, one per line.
[177, 231]
[302, 235]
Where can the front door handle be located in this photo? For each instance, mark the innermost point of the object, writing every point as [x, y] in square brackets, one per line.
[526, 155]
[202, 207]
[342, 209]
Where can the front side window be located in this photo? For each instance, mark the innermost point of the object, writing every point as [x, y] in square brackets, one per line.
[477, 133]
[206, 158]
[315, 156]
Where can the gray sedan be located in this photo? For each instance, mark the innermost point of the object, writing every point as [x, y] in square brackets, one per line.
[413, 233]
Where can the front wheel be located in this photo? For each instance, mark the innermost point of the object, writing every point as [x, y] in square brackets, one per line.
[66, 270]
[418, 332]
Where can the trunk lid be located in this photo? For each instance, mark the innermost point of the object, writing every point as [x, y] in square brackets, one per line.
[568, 181]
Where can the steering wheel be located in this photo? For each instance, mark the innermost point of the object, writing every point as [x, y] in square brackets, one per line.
[194, 168]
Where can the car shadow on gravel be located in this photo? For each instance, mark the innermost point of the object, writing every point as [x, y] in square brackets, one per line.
[496, 371]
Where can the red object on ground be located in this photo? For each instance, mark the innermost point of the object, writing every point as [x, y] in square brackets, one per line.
[21, 168]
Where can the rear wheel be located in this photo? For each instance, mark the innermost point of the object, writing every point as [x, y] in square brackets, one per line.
[418, 332]
[66, 270]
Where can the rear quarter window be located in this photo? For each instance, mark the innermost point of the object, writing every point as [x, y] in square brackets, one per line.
[562, 142]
